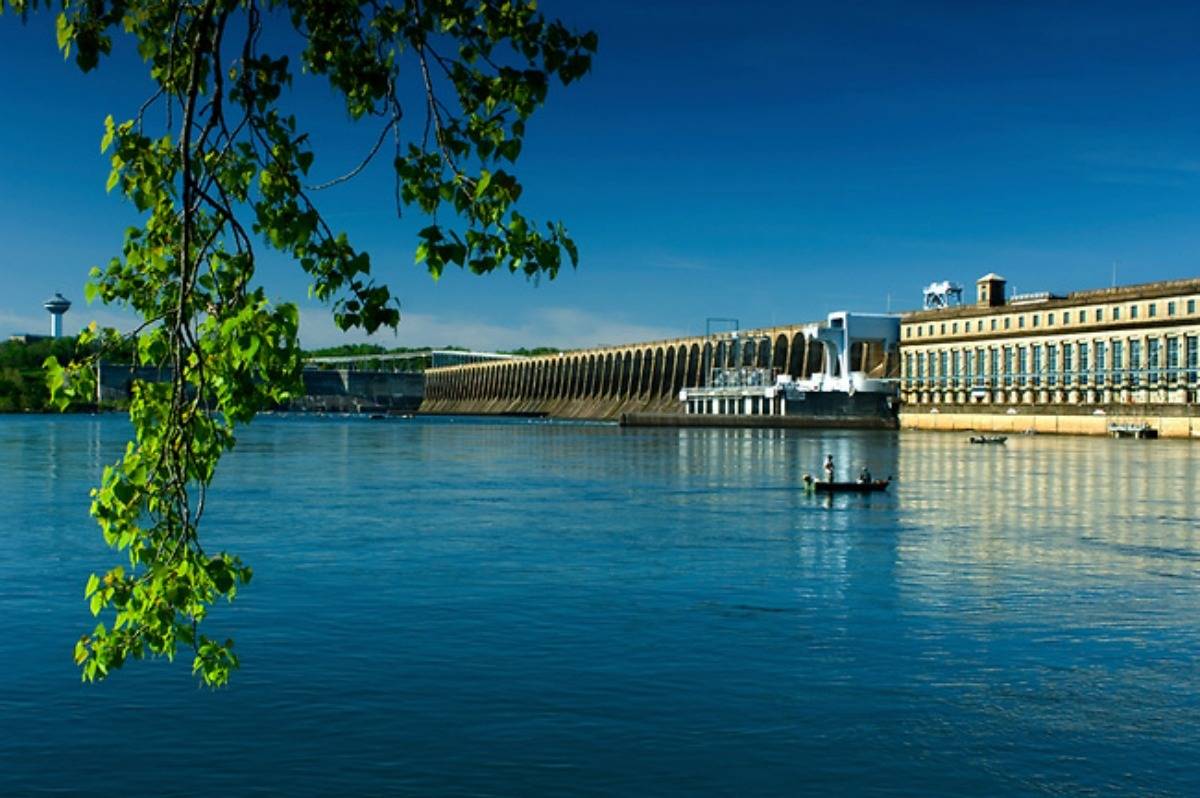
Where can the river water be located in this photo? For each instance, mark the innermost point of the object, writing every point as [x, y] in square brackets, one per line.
[483, 607]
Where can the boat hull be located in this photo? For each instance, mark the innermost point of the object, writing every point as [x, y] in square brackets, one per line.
[875, 486]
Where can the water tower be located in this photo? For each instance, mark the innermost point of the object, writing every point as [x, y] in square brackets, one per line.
[56, 306]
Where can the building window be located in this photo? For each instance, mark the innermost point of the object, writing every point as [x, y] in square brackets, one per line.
[942, 330]
[1068, 364]
[1100, 365]
[1192, 364]
[1049, 319]
[1099, 314]
[1007, 322]
[1036, 318]
[920, 370]
[1052, 365]
[993, 324]
[1116, 314]
[1082, 316]
[954, 328]
[1118, 360]
[1083, 363]
[931, 329]
[1020, 322]
[979, 366]
[1152, 347]
[943, 372]
[1037, 364]
[1133, 311]
[1135, 362]
[956, 367]
[1172, 360]
[1022, 366]
[1191, 306]
[1008, 366]
[908, 370]
[1170, 308]
[994, 374]
[1152, 309]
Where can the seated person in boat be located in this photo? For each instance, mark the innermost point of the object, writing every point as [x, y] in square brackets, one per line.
[864, 476]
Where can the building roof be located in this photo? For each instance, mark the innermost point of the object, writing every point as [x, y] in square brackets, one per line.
[1124, 293]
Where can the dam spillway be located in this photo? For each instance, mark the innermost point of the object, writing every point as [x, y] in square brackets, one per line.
[605, 382]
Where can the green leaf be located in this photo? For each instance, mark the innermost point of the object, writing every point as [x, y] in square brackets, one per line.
[64, 30]
[109, 130]
[485, 178]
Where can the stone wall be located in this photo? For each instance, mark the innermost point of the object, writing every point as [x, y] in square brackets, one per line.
[1170, 421]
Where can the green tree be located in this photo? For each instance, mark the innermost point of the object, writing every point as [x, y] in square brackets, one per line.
[227, 177]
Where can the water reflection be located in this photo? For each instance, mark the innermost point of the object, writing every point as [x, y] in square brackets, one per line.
[1079, 505]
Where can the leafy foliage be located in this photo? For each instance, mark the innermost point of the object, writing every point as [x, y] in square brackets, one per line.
[228, 175]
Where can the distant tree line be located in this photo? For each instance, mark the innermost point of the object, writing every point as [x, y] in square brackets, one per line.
[361, 350]
[535, 352]
[23, 380]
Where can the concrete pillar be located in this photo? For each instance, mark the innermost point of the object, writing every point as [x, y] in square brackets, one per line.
[646, 388]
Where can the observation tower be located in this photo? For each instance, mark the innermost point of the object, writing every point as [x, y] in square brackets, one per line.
[56, 306]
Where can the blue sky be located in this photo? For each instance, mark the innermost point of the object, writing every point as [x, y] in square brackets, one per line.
[767, 161]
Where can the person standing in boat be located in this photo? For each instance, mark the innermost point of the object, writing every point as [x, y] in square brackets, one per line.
[829, 468]
[864, 476]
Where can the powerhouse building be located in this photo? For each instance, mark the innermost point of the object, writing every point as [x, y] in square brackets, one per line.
[1129, 349]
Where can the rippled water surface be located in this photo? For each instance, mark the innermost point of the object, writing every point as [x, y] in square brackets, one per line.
[465, 607]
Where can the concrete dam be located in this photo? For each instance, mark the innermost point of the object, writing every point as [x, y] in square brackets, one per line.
[607, 382]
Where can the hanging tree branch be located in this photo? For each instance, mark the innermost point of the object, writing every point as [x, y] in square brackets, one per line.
[213, 193]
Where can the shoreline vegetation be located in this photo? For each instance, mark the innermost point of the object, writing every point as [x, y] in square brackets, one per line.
[23, 380]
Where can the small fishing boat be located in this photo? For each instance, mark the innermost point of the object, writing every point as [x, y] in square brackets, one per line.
[821, 486]
[988, 438]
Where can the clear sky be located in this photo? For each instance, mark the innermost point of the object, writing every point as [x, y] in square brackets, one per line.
[767, 161]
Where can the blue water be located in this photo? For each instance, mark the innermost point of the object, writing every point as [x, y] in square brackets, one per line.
[466, 607]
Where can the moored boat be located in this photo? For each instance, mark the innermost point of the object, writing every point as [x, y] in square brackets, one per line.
[988, 438]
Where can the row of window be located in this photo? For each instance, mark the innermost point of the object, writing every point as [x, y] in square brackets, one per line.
[1154, 360]
[1052, 318]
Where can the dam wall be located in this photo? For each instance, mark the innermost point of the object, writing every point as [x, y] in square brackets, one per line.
[642, 379]
[346, 390]
[341, 390]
